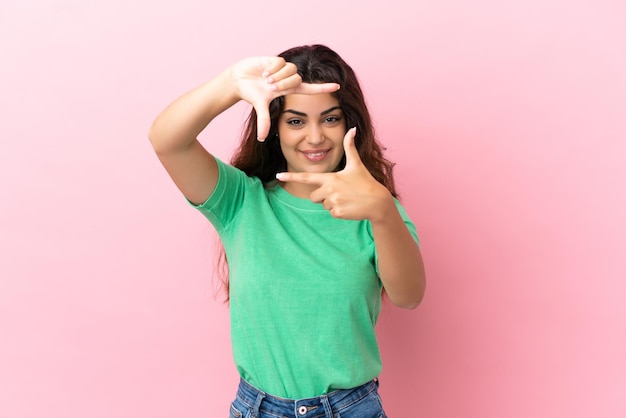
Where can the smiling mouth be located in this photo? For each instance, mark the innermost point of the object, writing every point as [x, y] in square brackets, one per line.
[315, 155]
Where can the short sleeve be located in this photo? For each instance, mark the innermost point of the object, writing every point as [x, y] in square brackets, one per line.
[224, 203]
[407, 221]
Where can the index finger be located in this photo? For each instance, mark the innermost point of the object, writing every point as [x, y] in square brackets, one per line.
[316, 88]
[307, 178]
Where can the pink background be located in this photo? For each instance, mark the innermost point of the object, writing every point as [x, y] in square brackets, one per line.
[507, 121]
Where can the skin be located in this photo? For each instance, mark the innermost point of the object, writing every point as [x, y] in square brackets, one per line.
[174, 132]
[351, 193]
[311, 124]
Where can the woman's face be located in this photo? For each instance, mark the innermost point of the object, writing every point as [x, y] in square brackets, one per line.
[311, 130]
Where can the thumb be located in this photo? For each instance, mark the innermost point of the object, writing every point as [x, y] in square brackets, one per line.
[263, 121]
[352, 155]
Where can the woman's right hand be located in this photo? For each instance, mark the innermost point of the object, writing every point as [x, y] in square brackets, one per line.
[262, 79]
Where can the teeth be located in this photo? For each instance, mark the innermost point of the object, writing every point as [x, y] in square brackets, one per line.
[315, 154]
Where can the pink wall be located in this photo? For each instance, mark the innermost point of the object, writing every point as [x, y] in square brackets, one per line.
[508, 125]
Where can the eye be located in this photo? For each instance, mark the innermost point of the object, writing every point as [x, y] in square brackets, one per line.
[295, 122]
[332, 120]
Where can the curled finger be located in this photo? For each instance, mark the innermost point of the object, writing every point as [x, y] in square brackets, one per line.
[319, 195]
[287, 85]
[287, 70]
[273, 65]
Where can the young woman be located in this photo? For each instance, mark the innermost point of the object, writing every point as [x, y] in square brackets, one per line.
[311, 229]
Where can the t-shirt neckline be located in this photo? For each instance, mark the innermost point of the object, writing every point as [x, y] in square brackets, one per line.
[294, 201]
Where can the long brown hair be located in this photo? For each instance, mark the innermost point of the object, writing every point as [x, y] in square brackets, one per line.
[315, 64]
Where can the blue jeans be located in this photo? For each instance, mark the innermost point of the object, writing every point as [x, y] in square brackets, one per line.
[360, 402]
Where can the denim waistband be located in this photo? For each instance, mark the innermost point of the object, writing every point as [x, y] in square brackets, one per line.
[324, 405]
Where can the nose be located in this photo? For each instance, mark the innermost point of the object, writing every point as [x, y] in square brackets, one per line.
[315, 135]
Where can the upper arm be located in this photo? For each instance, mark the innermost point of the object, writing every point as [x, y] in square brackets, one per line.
[193, 169]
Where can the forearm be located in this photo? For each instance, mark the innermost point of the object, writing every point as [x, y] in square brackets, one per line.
[180, 123]
[400, 263]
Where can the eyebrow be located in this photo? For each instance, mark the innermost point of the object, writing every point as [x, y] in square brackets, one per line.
[325, 112]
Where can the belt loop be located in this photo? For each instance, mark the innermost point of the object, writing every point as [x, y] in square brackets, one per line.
[257, 404]
[327, 408]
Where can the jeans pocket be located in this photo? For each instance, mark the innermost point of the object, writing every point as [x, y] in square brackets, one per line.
[368, 407]
[234, 412]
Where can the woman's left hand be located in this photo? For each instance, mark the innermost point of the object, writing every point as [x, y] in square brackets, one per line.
[351, 193]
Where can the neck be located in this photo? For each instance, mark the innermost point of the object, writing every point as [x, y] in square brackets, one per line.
[299, 189]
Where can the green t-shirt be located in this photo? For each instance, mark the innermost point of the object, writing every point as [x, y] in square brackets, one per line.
[304, 289]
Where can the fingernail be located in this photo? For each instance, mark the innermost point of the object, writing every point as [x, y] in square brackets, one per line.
[280, 176]
[266, 73]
